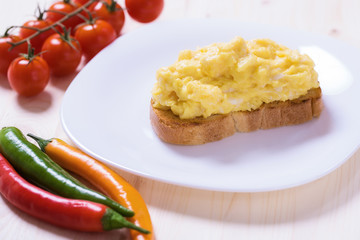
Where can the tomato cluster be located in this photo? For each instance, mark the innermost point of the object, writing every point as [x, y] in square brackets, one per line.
[61, 35]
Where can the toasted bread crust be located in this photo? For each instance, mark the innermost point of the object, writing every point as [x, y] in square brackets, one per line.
[171, 129]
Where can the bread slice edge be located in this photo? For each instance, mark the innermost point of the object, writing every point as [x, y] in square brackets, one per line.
[171, 129]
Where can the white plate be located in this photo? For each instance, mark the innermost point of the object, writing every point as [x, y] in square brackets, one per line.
[105, 112]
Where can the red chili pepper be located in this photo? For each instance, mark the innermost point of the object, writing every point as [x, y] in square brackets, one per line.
[69, 213]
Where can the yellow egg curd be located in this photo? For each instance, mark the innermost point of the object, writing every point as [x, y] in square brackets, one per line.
[235, 76]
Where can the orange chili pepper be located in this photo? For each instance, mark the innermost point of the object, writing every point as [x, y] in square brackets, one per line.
[101, 177]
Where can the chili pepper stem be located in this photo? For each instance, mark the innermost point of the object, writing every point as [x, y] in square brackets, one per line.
[42, 142]
[113, 220]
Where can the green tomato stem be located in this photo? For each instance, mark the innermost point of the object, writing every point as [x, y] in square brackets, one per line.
[57, 23]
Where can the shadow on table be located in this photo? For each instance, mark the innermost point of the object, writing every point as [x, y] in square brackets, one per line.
[63, 83]
[36, 104]
[311, 200]
[4, 83]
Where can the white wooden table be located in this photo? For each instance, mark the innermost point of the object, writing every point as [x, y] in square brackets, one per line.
[328, 208]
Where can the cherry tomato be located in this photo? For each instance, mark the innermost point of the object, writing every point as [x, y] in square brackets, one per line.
[62, 53]
[80, 2]
[144, 10]
[37, 41]
[28, 29]
[94, 36]
[109, 11]
[28, 76]
[65, 7]
[6, 56]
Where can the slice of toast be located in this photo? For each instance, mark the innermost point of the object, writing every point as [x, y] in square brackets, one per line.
[171, 129]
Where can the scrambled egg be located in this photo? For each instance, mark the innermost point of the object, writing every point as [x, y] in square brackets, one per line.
[236, 76]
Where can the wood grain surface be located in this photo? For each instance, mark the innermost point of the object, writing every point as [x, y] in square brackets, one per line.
[328, 208]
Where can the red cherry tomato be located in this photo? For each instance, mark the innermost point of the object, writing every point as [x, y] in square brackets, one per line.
[80, 2]
[6, 56]
[28, 77]
[62, 53]
[144, 10]
[37, 41]
[65, 7]
[93, 37]
[109, 11]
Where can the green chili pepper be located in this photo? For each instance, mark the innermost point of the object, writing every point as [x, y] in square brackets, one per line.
[35, 165]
